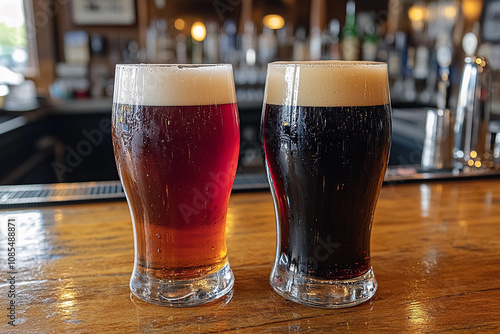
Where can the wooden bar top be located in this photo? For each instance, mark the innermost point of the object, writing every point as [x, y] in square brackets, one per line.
[435, 253]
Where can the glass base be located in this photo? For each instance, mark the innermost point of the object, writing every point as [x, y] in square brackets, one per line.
[324, 293]
[182, 293]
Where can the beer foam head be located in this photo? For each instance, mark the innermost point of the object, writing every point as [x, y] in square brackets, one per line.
[327, 84]
[174, 85]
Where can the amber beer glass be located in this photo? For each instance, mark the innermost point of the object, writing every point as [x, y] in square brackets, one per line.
[327, 133]
[176, 143]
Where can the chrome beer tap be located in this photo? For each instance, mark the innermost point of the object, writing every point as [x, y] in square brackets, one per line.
[438, 142]
[472, 137]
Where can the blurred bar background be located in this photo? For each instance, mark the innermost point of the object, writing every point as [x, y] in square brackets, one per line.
[57, 61]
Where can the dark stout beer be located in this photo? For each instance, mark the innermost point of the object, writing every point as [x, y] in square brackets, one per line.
[327, 165]
[327, 132]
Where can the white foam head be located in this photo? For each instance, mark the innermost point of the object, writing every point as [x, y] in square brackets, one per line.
[174, 85]
[327, 84]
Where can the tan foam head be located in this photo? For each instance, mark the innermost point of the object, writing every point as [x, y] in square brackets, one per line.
[174, 85]
[327, 83]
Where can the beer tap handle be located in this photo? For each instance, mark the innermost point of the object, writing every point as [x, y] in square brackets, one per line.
[438, 145]
[469, 44]
[444, 57]
[472, 144]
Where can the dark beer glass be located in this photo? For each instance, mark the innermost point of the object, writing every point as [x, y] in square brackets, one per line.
[327, 133]
[176, 143]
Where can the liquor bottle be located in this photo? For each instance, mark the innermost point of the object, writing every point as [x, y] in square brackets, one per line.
[227, 43]
[350, 41]
[370, 43]
[211, 44]
[421, 69]
[267, 46]
[398, 66]
[330, 41]
[315, 44]
[300, 51]
[249, 44]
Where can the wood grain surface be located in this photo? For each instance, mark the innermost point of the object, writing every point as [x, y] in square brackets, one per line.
[435, 253]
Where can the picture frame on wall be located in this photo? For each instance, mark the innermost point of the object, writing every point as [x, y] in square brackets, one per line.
[103, 12]
[490, 22]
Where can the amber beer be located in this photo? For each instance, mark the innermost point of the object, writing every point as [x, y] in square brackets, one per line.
[176, 142]
[327, 134]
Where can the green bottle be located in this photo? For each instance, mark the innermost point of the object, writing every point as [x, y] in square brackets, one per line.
[350, 41]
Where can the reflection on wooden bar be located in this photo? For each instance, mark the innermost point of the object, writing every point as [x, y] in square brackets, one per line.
[65, 228]
[435, 249]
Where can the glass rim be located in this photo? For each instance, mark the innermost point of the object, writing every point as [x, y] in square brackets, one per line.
[179, 66]
[313, 63]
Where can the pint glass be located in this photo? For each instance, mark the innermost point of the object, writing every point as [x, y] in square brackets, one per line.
[176, 140]
[327, 133]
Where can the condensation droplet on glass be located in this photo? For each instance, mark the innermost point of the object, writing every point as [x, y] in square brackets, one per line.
[159, 250]
[158, 236]
[284, 259]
